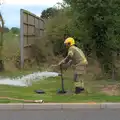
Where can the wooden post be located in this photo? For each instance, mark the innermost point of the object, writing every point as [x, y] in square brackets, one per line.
[1, 42]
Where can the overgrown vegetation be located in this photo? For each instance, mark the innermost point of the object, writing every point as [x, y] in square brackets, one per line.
[95, 27]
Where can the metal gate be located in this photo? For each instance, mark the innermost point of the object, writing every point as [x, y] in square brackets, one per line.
[31, 28]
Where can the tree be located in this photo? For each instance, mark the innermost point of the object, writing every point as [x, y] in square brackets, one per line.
[99, 21]
[6, 29]
[15, 30]
[56, 33]
[49, 12]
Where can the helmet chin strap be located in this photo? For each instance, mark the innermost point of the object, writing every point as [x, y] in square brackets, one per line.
[69, 44]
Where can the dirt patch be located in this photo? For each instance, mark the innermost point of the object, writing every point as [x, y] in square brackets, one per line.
[111, 90]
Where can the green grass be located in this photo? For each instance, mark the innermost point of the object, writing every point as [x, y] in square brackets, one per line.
[50, 86]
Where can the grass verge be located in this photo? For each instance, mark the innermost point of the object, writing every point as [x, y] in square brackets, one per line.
[50, 86]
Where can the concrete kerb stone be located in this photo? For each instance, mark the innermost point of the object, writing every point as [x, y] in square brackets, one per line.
[55, 106]
[110, 105]
[11, 106]
[59, 106]
[81, 106]
[42, 106]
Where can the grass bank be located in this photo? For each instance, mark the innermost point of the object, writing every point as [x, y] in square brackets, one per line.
[51, 85]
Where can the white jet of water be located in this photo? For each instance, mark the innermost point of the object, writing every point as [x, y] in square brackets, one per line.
[27, 80]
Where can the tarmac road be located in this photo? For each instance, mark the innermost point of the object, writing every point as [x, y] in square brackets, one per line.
[60, 114]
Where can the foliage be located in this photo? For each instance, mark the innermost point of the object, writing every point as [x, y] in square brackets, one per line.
[11, 51]
[49, 12]
[15, 30]
[56, 32]
[99, 21]
[94, 24]
[6, 29]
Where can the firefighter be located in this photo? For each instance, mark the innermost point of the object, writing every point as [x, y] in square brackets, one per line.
[77, 59]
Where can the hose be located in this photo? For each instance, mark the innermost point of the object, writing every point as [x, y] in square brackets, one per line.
[27, 101]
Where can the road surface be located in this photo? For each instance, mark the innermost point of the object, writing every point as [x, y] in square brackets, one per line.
[56, 112]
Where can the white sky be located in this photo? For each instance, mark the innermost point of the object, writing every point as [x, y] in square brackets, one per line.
[31, 2]
[11, 9]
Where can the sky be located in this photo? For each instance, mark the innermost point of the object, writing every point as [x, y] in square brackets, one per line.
[10, 9]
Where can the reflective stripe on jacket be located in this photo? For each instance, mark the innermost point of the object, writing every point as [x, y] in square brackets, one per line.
[77, 56]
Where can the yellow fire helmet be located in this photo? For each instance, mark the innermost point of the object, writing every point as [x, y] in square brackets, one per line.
[69, 41]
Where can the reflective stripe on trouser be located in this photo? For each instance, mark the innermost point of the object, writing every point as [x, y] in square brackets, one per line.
[79, 84]
[78, 80]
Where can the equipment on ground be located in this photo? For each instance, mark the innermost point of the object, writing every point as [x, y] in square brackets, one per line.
[39, 91]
